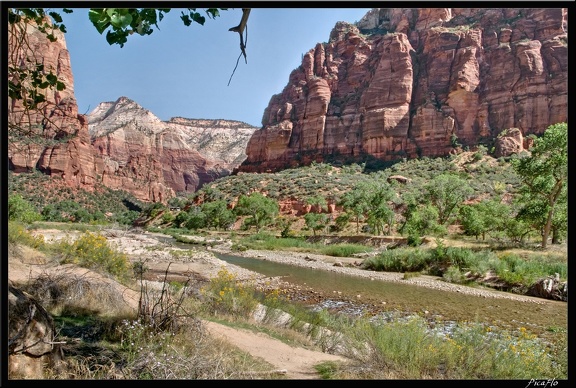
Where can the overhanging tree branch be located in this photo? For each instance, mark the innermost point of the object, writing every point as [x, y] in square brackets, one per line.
[240, 30]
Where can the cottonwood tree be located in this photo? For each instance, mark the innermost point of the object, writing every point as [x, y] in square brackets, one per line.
[446, 192]
[316, 221]
[355, 203]
[261, 210]
[544, 175]
[379, 194]
[217, 214]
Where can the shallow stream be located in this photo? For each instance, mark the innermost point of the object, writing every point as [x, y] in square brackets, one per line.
[540, 317]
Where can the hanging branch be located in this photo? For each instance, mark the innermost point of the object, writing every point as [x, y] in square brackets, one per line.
[240, 30]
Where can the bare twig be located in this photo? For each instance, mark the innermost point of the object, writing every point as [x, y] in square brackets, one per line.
[240, 30]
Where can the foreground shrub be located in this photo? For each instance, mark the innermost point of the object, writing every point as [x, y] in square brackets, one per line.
[92, 251]
[410, 349]
[21, 210]
[19, 234]
[225, 294]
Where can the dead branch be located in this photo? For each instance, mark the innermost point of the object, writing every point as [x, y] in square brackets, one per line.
[240, 30]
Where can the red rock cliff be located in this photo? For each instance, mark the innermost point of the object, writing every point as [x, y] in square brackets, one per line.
[55, 137]
[413, 82]
[141, 153]
[119, 145]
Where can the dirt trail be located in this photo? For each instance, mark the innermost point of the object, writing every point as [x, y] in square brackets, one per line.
[293, 363]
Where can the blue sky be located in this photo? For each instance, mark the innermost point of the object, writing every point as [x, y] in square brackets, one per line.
[184, 71]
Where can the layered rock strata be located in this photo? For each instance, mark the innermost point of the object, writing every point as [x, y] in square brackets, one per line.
[406, 83]
[139, 151]
[120, 144]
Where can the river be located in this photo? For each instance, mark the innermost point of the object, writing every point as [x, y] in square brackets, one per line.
[353, 294]
[537, 315]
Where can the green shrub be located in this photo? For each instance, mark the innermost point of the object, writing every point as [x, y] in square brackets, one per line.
[454, 275]
[21, 210]
[225, 294]
[92, 251]
[18, 234]
[344, 250]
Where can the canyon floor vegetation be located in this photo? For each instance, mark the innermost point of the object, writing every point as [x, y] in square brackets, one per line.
[469, 219]
[166, 336]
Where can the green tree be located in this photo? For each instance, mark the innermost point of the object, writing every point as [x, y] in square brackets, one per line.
[217, 214]
[379, 213]
[341, 221]
[181, 219]
[355, 203]
[316, 221]
[261, 211]
[21, 210]
[196, 218]
[423, 220]
[544, 175]
[559, 227]
[484, 217]
[446, 192]
[317, 201]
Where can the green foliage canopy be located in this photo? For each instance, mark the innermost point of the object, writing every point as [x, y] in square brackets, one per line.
[261, 210]
[544, 175]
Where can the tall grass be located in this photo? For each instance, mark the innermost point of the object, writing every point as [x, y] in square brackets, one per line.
[453, 262]
[411, 350]
[266, 241]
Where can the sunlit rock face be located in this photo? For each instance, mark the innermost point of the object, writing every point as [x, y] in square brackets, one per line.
[156, 159]
[119, 144]
[406, 83]
[53, 138]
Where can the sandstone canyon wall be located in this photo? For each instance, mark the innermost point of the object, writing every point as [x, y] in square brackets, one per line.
[183, 154]
[120, 144]
[405, 83]
[55, 137]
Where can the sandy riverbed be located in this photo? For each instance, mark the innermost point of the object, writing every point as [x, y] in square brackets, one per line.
[201, 262]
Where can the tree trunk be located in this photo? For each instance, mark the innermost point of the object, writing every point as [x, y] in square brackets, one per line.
[546, 231]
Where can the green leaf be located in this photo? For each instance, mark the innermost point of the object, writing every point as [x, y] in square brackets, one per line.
[213, 12]
[29, 13]
[67, 10]
[116, 37]
[186, 19]
[51, 38]
[119, 20]
[52, 79]
[60, 86]
[14, 18]
[56, 16]
[99, 19]
[198, 18]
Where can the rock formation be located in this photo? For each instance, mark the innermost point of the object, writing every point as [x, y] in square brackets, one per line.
[120, 144]
[406, 82]
[153, 158]
[53, 138]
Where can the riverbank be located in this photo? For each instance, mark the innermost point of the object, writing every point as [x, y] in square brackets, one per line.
[163, 259]
[347, 266]
[168, 260]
